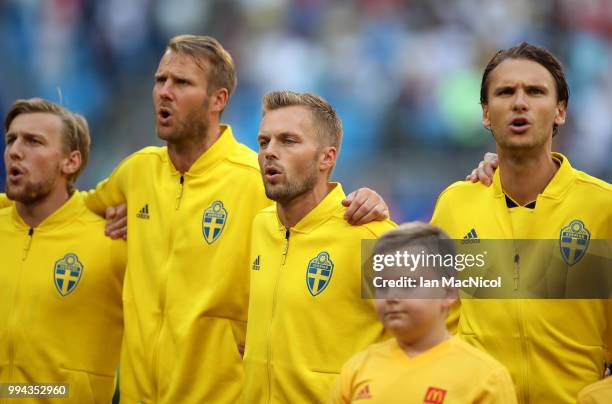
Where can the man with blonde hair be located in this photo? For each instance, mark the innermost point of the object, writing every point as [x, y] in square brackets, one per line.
[60, 309]
[306, 314]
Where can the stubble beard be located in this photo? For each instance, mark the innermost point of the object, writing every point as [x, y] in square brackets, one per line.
[194, 126]
[520, 147]
[30, 193]
[293, 188]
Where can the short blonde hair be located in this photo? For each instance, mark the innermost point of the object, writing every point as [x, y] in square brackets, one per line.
[221, 70]
[75, 131]
[325, 119]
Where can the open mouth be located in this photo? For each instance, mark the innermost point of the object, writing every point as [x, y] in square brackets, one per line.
[14, 173]
[519, 125]
[271, 172]
[164, 115]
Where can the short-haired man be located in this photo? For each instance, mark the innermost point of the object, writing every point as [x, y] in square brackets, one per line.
[190, 210]
[553, 348]
[60, 307]
[306, 314]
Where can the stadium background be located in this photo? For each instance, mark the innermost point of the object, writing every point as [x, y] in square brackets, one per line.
[404, 75]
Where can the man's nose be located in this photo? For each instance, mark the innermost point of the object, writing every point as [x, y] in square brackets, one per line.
[15, 149]
[164, 90]
[520, 101]
[271, 152]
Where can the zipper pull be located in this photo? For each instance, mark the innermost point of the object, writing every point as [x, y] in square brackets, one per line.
[26, 249]
[180, 193]
[287, 234]
[517, 274]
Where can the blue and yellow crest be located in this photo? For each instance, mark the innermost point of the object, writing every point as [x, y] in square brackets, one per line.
[213, 221]
[67, 273]
[573, 241]
[319, 273]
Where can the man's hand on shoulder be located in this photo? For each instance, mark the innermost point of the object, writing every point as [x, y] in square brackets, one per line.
[364, 206]
[485, 170]
[116, 222]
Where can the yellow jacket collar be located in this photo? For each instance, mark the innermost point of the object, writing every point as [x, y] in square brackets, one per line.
[221, 148]
[556, 187]
[66, 213]
[321, 213]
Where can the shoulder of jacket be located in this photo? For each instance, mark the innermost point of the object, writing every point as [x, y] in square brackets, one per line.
[146, 154]
[266, 213]
[244, 157]
[373, 229]
[6, 211]
[596, 183]
[379, 227]
[89, 218]
[461, 187]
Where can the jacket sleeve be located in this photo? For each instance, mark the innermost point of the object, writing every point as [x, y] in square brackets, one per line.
[111, 191]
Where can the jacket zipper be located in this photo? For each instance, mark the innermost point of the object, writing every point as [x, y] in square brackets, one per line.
[11, 342]
[179, 197]
[517, 271]
[26, 248]
[287, 234]
[162, 298]
[521, 325]
[524, 354]
[274, 298]
[524, 366]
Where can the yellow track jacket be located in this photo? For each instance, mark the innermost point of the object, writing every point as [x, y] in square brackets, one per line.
[552, 348]
[60, 305]
[187, 282]
[306, 313]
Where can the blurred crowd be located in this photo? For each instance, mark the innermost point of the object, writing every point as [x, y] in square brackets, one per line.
[404, 75]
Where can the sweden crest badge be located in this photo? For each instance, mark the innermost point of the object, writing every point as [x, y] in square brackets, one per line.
[319, 273]
[573, 241]
[213, 221]
[67, 273]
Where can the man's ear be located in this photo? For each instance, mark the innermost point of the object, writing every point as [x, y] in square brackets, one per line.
[486, 120]
[218, 100]
[560, 113]
[71, 163]
[328, 158]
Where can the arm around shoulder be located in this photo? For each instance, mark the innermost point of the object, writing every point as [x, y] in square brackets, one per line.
[110, 191]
